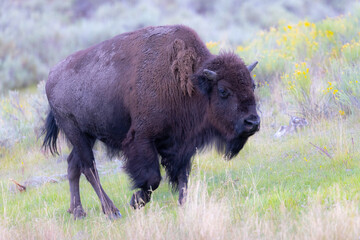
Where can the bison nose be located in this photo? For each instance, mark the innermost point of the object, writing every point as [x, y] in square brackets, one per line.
[252, 123]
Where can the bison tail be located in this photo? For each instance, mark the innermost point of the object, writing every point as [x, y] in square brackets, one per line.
[51, 132]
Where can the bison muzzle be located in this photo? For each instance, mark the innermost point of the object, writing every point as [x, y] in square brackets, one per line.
[156, 95]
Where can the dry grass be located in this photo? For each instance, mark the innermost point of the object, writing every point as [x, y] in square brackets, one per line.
[203, 217]
[207, 217]
[38, 229]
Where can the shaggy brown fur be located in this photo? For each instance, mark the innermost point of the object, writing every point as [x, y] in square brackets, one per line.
[156, 94]
[183, 65]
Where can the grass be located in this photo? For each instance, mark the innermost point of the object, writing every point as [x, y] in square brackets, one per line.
[284, 189]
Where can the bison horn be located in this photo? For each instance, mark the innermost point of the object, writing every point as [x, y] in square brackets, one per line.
[211, 75]
[252, 66]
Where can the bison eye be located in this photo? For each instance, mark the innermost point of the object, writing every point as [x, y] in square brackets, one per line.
[223, 92]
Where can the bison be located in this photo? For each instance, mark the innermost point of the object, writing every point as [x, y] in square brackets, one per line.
[156, 95]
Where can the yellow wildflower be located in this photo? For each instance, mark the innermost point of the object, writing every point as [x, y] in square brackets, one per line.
[212, 44]
[329, 33]
[240, 48]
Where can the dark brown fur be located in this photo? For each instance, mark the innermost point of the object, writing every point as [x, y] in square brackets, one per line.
[146, 93]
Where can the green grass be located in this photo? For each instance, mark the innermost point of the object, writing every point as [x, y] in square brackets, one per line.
[269, 180]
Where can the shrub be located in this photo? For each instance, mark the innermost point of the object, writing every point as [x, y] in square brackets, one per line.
[311, 66]
[37, 34]
[22, 117]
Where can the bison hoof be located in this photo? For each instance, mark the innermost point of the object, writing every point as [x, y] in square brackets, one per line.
[182, 201]
[78, 212]
[139, 199]
[115, 215]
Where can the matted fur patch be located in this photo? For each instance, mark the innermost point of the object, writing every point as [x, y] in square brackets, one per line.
[183, 62]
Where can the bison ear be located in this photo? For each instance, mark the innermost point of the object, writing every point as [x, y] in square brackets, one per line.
[204, 81]
[252, 66]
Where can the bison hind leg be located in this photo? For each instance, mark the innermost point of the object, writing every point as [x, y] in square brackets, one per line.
[81, 160]
[74, 173]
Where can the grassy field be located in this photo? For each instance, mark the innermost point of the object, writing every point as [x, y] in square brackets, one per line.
[304, 185]
[285, 189]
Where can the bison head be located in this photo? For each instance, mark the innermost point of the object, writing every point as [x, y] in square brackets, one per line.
[231, 112]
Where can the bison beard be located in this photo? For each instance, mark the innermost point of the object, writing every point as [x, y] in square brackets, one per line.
[155, 95]
[234, 146]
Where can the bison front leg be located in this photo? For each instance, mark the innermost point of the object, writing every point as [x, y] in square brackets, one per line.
[177, 167]
[143, 168]
[140, 198]
[183, 187]
[182, 179]
[149, 178]
[178, 170]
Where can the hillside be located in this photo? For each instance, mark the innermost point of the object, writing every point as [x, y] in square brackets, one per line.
[36, 34]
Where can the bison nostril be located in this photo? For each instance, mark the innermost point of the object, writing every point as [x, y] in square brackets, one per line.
[253, 121]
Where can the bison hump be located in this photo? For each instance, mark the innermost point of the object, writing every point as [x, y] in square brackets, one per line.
[182, 60]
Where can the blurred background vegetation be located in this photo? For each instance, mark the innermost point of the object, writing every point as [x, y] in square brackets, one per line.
[308, 50]
[36, 34]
